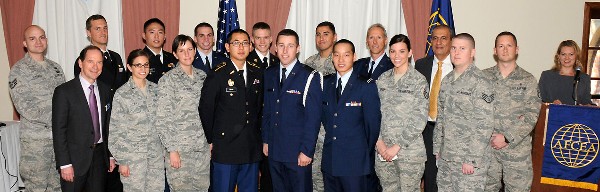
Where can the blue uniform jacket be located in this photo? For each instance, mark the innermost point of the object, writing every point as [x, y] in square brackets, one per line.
[288, 126]
[217, 58]
[362, 67]
[351, 126]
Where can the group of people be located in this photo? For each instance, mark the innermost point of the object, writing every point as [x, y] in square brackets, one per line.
[202, 121]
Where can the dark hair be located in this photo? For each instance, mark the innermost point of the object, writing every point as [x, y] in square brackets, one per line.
[83, 52]
[154, 20]
[327, 24]
[260, 25]
[346, 41]
[466, 36]
[88, 21]
[203, 24]
[237, 31]
[180, 40]
[400, 38]
[507, 34]
[135, 54]
[288, 32]
[442, 26]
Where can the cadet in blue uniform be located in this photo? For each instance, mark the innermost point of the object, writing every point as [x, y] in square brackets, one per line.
[230, 109]
[206, 59]
[378, 62]
[291, 116]
[352, 119]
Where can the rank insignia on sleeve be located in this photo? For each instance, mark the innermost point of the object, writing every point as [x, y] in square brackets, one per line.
[12, 84]
[487, 98]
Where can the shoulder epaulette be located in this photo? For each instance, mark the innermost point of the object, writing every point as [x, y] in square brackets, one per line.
[253, 64]
[221, 65]
[309, 68]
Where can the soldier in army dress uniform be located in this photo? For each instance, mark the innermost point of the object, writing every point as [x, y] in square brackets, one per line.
[32, 81]
[230, 108]
[178, 122]
[403, 92]
[134, 141]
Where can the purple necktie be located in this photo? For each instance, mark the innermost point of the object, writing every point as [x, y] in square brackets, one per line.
[94, 112]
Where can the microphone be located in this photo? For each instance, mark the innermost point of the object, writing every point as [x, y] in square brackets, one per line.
[577, 73]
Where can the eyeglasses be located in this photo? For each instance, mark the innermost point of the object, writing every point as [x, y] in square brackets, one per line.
[243, 43]
[139, 65]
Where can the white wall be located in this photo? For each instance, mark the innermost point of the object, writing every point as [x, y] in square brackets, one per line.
[194, 12]
[6, 109]
[540, 25]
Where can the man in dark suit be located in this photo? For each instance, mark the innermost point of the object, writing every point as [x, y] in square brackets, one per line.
[160, 60]
[80, 111]
[373, 66]
[261, 39]
[352, 119]
[114, 73]
[233, 132]
[430, 66]
[206, 59]
[291, 116]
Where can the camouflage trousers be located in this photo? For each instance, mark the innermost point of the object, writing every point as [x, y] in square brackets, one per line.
[194, 173]
[145, 174]
[515, 165]
[317, 176]
[37, 165]
[399, 176]
[451, 179]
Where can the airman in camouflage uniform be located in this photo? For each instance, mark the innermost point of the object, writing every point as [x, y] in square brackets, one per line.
[464, 123]
[516, 111]
[404, 114]
[325, 39]
[32, 81]
[134, 141]
[322, 65]
[178, 122]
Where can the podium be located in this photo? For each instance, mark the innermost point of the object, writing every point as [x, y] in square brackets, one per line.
[538, 157]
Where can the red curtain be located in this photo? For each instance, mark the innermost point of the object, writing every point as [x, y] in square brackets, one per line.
[416, 15]
[135, 13]
[16, 16]
[275, 13]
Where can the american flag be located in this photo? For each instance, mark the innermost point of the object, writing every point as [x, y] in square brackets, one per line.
[228, 21]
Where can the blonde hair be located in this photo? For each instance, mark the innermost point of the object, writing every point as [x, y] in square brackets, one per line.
[567, 43]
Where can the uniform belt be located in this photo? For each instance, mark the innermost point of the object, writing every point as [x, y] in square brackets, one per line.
[96, 145]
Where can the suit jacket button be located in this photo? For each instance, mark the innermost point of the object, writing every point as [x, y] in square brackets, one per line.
[334, 126]
[276, 112]
[334, 138]
[247, 113]
[335, 114]
[275, 124]
[247, 121]
[277, 100]
[223, 134]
